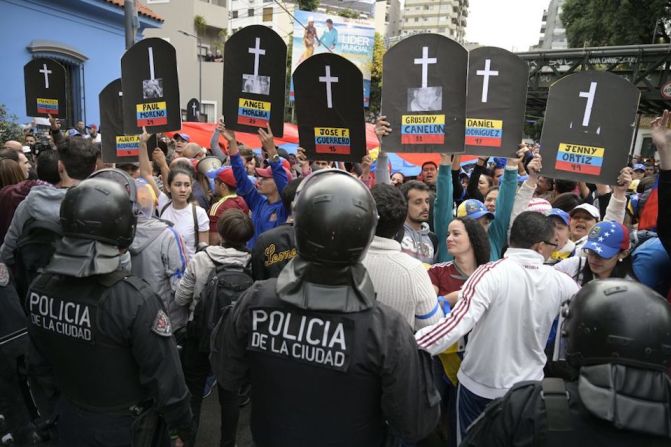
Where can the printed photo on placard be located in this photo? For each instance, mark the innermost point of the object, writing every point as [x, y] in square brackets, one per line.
[496, 102]
[46, 89]
[330, 118]
[254, 80]
[193, 111]
[116, 146]
[587, 131]
[424, 94]
[150, 87]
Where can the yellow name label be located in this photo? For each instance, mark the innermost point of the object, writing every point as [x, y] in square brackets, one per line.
[253, 104]
[149, 106]
[331, 132]
[484, 123]
[53, 102]
[581, 150]
[423, 119]
[127, 139]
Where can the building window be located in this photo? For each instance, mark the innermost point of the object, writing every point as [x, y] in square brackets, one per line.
[426, 6]
[209, 109]
[268, 14]
[250, 12]
[234, 14]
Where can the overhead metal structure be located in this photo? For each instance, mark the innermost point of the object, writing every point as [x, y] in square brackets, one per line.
[646, 66]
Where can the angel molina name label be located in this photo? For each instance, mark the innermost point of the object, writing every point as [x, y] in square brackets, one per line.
[127, 145]
[253, 113]
[151, 114]
[332, 140]
[484, 132]
[321, 340]
[579, 159]
[45, 105]
[61, 316]
[422, 129]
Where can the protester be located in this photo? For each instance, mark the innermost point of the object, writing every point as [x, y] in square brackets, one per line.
[619, 395]
[499, 295]
[565, 246]
[400, 281]
[377, 380]
[235, 229]
[224, 188]
[189, 220]
[10, 172]
[416, 239]
[265, 203]
[277, 246]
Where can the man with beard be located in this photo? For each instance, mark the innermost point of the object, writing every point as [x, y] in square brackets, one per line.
[416, 238]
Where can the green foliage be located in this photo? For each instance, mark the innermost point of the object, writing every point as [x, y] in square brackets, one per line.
[534, 129]
[594, 23]
[9, 126]
[222, 36]
[308, 5]
[376, 75]
[349, 13]
[200, 23]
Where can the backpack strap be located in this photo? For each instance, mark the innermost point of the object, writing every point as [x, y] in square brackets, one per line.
[195, 225]
[164, 208]
[556, 399]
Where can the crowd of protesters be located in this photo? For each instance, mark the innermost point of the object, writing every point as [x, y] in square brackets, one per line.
[459, 251]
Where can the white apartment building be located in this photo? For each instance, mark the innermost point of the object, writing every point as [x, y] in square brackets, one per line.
[243, 13]
[447, 17]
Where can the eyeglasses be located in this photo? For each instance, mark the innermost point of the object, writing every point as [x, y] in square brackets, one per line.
[551, 244]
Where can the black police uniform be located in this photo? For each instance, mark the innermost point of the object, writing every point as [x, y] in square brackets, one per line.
[521, 419]
[107, 342]
[272, 251]
[325, 376]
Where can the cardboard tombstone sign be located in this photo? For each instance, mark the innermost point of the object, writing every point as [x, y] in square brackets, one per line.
[329, 110]
[589, 123]
[193, 111]
[254, 80]
[150, 87]
[424, 94]
[46, 88]
[496, 101]
[116, 146]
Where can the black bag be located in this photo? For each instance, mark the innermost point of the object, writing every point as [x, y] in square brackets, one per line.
[224, 286]
[33, 251]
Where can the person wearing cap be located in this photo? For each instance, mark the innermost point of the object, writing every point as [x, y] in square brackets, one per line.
[224, 188]
[607, 251]
[508, 307]
[93, 133]
[565, 246]
[264, 200]
[181, 139]
[639, 171]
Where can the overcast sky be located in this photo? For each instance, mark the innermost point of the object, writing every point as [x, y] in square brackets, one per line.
[511, 24]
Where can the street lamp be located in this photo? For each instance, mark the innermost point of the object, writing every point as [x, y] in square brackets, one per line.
[200, 67]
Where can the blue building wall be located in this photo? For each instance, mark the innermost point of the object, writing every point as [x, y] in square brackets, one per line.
[94, 28]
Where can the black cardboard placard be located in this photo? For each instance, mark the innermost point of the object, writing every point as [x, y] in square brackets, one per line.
[116, 146]
[46, 88]
[193, 111]
[330, 115]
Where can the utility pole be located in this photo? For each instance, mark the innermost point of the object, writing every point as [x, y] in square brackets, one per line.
[130, 22]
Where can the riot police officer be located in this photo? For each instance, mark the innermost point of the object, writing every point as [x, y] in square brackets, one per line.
[329, 365]
[618, 335]
[100, 335]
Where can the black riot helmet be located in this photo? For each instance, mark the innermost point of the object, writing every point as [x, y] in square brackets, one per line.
[334, 218]
[99, 209]
[618, 321]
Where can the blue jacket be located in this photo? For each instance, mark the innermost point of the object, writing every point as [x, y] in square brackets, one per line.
[265, 215]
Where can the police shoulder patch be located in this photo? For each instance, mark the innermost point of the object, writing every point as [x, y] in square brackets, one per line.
[4, 275]
[162, 325]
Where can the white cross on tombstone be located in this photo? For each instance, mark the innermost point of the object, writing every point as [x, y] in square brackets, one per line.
[46, 75]
[151, 63]
[485, 81]
[257, 51]
[424, 61]
[328, 79]
[193, 109]
[590, 101]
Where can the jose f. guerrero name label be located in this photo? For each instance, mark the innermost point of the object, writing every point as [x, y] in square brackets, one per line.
[320, 340]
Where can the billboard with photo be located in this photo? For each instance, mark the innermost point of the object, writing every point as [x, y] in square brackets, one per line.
[352, 39]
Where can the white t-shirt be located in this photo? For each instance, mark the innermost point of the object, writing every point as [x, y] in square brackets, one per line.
[183, 222]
